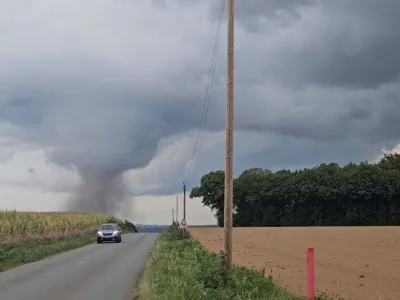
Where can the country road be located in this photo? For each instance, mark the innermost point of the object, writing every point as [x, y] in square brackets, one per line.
[94, 272]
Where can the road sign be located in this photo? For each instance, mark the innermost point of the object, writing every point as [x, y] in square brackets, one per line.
[183, 225]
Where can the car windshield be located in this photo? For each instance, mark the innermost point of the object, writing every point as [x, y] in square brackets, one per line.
[108, 227]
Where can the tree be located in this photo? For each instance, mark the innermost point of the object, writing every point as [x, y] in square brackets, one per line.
[326, 195]
[211, 190]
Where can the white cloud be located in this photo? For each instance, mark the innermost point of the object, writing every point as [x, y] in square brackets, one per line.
[174, 161]
[393, 150]
[28, 199]
[158, 210]
[31, 169]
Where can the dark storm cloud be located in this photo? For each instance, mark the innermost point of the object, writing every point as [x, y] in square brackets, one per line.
[298, 154]
[252, 14]
[354, 44]
[334, 66]
[268, 9]
[99, 84]
[20, 111]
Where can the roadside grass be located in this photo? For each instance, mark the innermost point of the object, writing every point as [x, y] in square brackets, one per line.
[30, 250]
[180, 269]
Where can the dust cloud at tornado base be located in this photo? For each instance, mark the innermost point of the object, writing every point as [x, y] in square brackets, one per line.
[102, 191]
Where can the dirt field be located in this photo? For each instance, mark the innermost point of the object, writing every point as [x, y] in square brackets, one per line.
[360, 263]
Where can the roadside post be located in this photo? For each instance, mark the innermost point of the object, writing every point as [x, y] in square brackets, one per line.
[310, 274]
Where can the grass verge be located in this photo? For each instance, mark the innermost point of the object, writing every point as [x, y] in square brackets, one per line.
[180, 268]
[30, 250]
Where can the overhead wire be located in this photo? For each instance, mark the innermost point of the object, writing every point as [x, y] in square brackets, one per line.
[206, 101]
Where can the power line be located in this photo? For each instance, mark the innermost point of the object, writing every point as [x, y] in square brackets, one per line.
[206, 102]
[218, 36]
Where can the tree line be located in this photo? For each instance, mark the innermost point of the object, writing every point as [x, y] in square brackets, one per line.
[327, 195]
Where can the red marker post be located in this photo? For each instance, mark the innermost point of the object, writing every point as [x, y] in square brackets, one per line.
[310, 274]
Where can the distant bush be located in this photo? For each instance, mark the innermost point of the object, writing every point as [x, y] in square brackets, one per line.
[129, 226]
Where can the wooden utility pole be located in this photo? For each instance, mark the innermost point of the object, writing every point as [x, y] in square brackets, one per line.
[177, 207]
[228, 195]
[173, 216]
[184, 201]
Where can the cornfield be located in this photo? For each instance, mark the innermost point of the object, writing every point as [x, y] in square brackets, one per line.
[16, 226]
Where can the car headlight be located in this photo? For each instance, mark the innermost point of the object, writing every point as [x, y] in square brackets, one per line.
[115, 232]
[99, 233]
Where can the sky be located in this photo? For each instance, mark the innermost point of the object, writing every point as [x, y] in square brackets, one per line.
[100, 101]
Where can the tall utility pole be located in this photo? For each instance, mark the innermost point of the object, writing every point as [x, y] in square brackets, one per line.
[228, 195]
[177, 207]
[184, 201]
[173, 216]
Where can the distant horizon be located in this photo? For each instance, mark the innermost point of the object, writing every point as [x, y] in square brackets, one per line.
[155, 228]
[205, 225]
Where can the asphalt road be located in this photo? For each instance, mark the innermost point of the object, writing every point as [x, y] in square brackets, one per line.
[94, 272]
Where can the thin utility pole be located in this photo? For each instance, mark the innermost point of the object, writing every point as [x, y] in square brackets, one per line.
[228, 195]
[177, 207]
[184, 201]
[173, 216]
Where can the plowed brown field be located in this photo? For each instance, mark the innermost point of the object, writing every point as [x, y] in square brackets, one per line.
[360, 263]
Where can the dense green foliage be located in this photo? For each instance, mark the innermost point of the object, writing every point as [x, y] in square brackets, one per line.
[181, 269]
[327, 195]
[126, 226]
